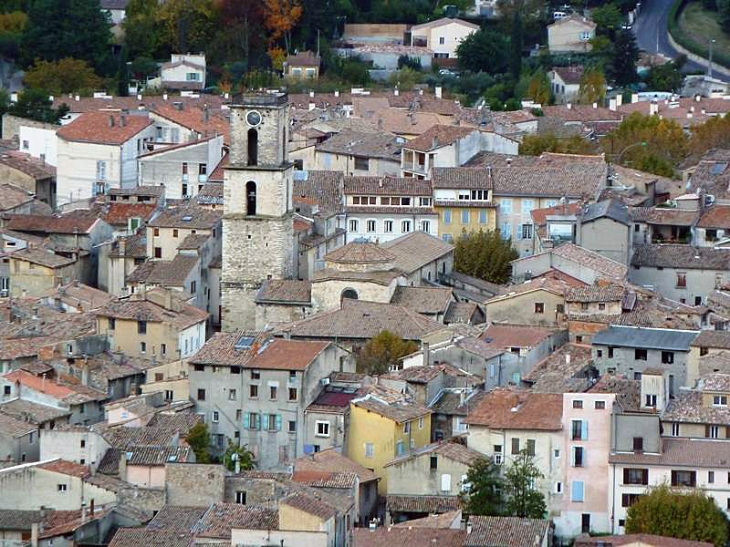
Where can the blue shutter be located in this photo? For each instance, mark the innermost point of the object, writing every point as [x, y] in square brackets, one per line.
[576, 491]
[278, 422]
[584, 430]
[265, 422]
[245, 421]
[572, 456]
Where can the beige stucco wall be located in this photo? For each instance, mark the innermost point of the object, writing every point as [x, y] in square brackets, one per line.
[146, 475]
[168, 242]
[278, 537]
[414, 477]
[326, 295]
[520, 309]
[125, 338]
[566, 37]
[27, 279]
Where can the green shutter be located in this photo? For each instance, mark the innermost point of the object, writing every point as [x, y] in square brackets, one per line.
[278, 422]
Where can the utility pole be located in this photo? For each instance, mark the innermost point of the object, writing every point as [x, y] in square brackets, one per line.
[709, 66]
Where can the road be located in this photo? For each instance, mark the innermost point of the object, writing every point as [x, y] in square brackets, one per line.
[652, 35]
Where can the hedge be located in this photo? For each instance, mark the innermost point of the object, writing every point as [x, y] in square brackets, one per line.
[719, 57]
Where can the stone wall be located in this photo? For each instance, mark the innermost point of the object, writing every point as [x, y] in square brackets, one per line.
[143, 500]
[11, 125]
[194, 484]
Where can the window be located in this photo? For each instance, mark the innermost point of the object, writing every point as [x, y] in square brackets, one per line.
[638, 444]
[640, 355]
[712, 431]
[201, 395]
[651, 401]
[684, 478]
[585, 523]
[362, 164]
[420, 422]
[272, 422]
[199, 368]
[158, 252]
[464, 195]
[388, 226]
[83, 443]
[578, 456]
[143, 347]
[255, 374]
[292, 426]
[252, 420]
[292, 394]
[202, 169]
[579, 430]
[169, 395]
[6, 390]
[447, 216]
[369, 450]
[354, 225]
[241, 497]
[61, 487]
[216, 417]
[719, 400]
[515, 446]
[273, 392]
[498, 456]
[407, 428]
[627, 500]
[539, 307]
[406, 226]
[530, 447]
[192, 76]
[558, 487]
[636, 476]
[175, 232]
[442, 40]
[426, 226]
[232, 394]
[576, 491]
[446, 482]
[505, 206]
[193, 287]
[526, 231]
[465, 216]
[400, 448]
[610, 353]
[482, 216]
[505, 230]
[710, 477]
[372, 225]
[434, 462]
[668, 357]
[100, 170]
[253, 391]
[577, 403]
[323, 429]
[675, 429]
[141, 327]
[681, 279]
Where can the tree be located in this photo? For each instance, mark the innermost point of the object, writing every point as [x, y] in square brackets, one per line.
[607, 18]
[199, 440]
[538, 89]
[535, 145]
[187, 25]
[280, 17]
[666, 77]
[723, 13]
[483, 51]
[238, 453]
[485, 255]
[625, 56]
[63, 76]
[592, 87]
[35, 104]
[382, 351]
[140, 28]
[483, 485]
[58, 29]
[690, 515]
[523, 499]
[516, 43]
[404, 79]
[714, 133]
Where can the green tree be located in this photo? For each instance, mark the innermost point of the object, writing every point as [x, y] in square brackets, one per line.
[187, 25]
[523, 498]
[483, 494]
[714, 133]
[723, 13]
[666, 77]
[382, 351]
[240, 453]
[538, 89]
[404, 79]
[592, 87]
[483, 51]
[199, 440]
[140, 28]
[535, 145]
[63, 76]
[516, 44]
[608, 19]
[485, 255]
[625, 56]
[58, 29]
[690, 515]
[36, 105]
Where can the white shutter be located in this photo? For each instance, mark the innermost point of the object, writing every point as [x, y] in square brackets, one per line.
[445, 483]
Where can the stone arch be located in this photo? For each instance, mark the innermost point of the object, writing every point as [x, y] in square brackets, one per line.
[250, 198]
[349, 293]
[253, 146]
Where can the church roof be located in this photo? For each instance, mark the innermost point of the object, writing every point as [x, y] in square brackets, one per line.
[360, 253]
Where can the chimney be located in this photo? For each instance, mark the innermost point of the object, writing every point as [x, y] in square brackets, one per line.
[123, 466]
[164, 96]
[438, 91]
[139, 96]
[168, 299]
[85, 372]
[698, 98]
[337, 92]
[569, 106]
[122, 246]
[34, 534]
[612, 105]
[689, 115]
[396, 92]
[122, 121]
[435, 142]
[567, 358]
[653, 108]
[111, 120]
[206, 114]
[312, 106]
[619, 99]
[83, 512]
[634, 98]
[426, 348]
[77, 98]
[595, 105]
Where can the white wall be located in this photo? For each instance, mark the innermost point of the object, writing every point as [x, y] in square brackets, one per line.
[195, 338]
[37, 141]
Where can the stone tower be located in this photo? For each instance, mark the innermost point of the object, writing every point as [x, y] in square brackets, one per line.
[258, 241]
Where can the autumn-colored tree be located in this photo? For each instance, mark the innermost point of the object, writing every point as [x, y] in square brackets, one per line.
[485, 255]
[277, 56]
[382, 351]
[188, 25]
[714, 133]
[534, 145]
[280, 17]
[240, 35]
[592, 87]
[13, 22]
[538, 89]
[64, 76]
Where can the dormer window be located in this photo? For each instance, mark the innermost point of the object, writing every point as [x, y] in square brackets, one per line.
[719, 400]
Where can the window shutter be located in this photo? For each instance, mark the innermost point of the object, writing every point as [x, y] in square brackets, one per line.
[626, 477]
[584, 430]
[572, 456]
[645, 476]
[707, 431]
[674, 478]
[445, 483]
[245, 421]
[278, 422]
[577, 491]
[265, 422]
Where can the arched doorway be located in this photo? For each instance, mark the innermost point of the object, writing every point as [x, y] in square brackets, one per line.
[349, 293]
[251, 198]
[253, 147]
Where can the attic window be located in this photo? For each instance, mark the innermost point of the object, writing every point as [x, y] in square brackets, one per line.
[187, 218]
[244, 342]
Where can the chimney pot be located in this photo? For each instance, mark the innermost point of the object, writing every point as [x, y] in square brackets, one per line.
[111, 120]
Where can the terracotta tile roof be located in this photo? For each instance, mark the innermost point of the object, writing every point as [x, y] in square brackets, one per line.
[606, 267]
[67, 393]
[181, 316]
[509, 336]
[461, 312]
[571, 75]
[193, 116]
[563, 365]
[425, 300]
[326, 187]
[218, 520]
[456, 402]
[462, 178]
[681, 256]
[166, 273]
[176, 519]
[687, 407]
[65, 468]
[450, 450]
[717, 216]
[596, 293]
[438, 136]
[628, 392]
[80, 295]
[290, 291]
[12, 196]
[221, 349]
[416, 537]
[363, 144]
[681, 452]
[118, 213]
[357, 319]
[646, 540]
[188, 216]
[714, 382]
[311, 505]
[304, 58]
[360, 253]
[508, 409]
[104, 128]
[331, 461]
[27, 164]
[664, 216]
[282, 354]
[390, 404]
[80, 222]
[34, 413]
[717, 339]
[421, 504]
[506, 532]
[43, 257]
[387, 186]
[139, 537]
[325, 479]
[16, 519]
[13, 427]
[417, 249]
[135, 246]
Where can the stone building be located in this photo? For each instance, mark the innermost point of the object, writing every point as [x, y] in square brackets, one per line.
[258, 236]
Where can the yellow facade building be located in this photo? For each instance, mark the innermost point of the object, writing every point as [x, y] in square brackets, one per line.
[385, 424]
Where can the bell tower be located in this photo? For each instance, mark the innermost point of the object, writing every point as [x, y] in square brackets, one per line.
[258, 241]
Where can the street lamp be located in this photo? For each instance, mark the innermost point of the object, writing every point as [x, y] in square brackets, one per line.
[629, 147]
[709, 66]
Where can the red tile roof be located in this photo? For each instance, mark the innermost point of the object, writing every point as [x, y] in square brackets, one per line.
[288, 355]
[104, 128]
[78, 221]
[508, 409]
[508, 336]
[66, 468]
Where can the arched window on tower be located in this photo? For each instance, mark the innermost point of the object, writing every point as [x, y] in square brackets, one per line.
[251, 198]
[253, 147]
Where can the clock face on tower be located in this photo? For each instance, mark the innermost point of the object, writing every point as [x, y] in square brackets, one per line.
[253, 118]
